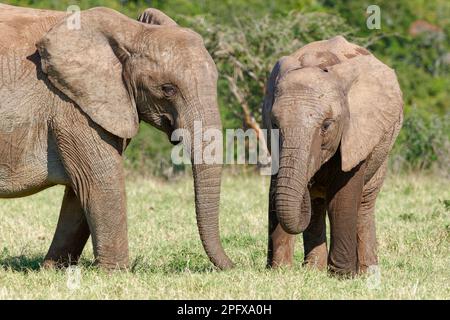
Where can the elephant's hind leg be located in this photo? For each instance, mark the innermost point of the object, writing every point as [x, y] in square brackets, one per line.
[72, 233]
[315, 238]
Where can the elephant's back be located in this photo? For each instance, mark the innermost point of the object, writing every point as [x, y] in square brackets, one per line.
[21, 28]
[20, 63]
[329, 52]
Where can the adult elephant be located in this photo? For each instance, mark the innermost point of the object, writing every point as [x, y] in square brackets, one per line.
[69, 108]
[339, 111]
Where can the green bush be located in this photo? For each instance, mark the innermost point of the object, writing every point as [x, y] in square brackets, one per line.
[423, 143]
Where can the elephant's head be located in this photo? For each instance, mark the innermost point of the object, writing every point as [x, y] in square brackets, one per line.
[329, 95]
[120, 71]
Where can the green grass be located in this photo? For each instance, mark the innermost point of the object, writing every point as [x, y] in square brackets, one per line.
[413, 222]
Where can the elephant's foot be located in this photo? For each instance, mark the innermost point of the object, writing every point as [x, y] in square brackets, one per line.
[341, 273]
[112, 266]
[367, 268]
[282, 248]
[342, 266]
[50, 263]
[64, 263]
[112, 258]
[347, 269]
[317, 257]
[56, 259]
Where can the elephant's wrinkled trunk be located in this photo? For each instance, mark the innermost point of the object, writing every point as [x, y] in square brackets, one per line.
[292, 201]
[207, 179]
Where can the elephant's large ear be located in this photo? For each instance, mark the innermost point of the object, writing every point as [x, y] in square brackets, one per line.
[374, 102]
[154, 16]
[84, 64]
[282, 66]
[269, 95]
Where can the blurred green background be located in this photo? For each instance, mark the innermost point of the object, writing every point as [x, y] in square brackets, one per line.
[246, 37]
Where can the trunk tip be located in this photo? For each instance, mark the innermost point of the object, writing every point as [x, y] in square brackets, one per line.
[297, 229]
[225, 264]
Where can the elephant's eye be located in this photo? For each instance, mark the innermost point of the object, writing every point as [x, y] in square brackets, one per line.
[169, 90]
[326, 125]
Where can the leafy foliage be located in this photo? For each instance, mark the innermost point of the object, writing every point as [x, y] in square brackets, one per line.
[424, 142]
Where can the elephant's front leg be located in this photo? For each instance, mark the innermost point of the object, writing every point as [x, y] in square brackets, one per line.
[367, 240]
[106, 215]
[71, 233]
[281, 244]
[102, 197]
[315, 238]
[344, 199]
[92, 159]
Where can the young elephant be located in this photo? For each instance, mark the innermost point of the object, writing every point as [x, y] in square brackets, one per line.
[339, 111]
[69, 108]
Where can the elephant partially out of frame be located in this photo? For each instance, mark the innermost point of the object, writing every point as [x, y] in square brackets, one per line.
[72, 97]
[338, 110]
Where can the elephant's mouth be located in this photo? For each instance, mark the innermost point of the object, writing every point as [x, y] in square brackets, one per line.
[168, 126]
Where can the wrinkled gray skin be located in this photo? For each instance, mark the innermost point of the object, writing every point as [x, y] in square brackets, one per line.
[339, 111]
[69, 108]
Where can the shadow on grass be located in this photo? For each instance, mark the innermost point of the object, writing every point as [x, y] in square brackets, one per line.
[175, 264]
[21, 263]
[170, 259]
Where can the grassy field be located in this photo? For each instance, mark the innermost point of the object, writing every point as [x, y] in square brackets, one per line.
[168, 262]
